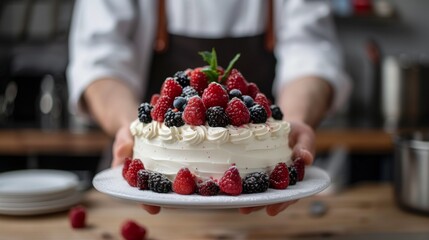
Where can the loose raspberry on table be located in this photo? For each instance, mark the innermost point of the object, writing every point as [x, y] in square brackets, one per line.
[126, 166]
[198, 80]
[208, 188]
[216, 117]
[195, 112]
[237, 112]
[182, 78]
[258, 114]
[236, 81]
[276, 112]
[143, 179]
[231, 183]
[131, 230]
[293, 175]
[262, 100]
[184, 183]
[131, 174]
[300, 168]
[256, 182]
[252, 89]
[77, 217]
[189, 92]
[279, 177]
[215, 95]
[144, 112]
[171, 88]
[154, 99]
[173, 118]
[159, 183]
[159, 110]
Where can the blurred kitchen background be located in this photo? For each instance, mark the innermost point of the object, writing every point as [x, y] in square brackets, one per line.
[386, 47]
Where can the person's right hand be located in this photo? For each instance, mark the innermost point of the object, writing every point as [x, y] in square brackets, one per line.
[122, 146]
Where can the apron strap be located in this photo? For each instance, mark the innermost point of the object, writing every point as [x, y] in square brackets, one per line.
[161, 41]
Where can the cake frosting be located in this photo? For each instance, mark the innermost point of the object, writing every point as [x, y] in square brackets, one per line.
[209, 151]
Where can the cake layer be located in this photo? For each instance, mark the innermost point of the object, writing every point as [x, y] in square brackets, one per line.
[210, 151]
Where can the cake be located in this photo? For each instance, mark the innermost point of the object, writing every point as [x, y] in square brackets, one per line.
[210, 128]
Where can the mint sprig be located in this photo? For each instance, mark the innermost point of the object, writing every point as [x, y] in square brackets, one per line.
[211, 70]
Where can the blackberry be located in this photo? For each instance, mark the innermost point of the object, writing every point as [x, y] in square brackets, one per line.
[248, 100]
[208, 188]
[188, 92]
[173, 118]
[235, 93]
[159, 183]
[179, 103]
[258, 114]
[143, 179]
[276, 112]
[216, 117]
[144, 112]
[182, 78]
[293, 175]
[256, 182]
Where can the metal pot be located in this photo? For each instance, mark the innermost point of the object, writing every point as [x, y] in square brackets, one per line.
[412, 171]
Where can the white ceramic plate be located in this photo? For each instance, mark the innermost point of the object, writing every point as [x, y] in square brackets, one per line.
[111, 182]
[36, 182]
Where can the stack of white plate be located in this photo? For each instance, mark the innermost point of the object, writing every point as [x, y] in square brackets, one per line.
[37, 191]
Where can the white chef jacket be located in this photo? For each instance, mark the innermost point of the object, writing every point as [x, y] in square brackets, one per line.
[101, 46]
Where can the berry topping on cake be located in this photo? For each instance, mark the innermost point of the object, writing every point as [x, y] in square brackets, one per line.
[143, 179]
[293, 175]
[215, 95]
[171, 88]
[216, 117]
[236, 81]
[77, 217]
[182, 78]
[179, 103]
[195, 112]
[208, 188]
[256, 182]
[237, 112]
[184, 183]
[262, 100]
[189, 92]
[235, 93]
[279, 177]
[300, 168]
[199, 80]
[231, 183]
[173, 118]
[252, 89]
[154, 99]
[130, 230]
[248, 100]
[131, 174]
[276, 112]
[144, 113]
[159, 183]
[126, 166]
[258, 114]
[161, 107]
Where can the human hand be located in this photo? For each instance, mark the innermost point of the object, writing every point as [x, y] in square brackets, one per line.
[122, 146]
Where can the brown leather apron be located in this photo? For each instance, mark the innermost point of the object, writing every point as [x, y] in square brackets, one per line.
[174, 53]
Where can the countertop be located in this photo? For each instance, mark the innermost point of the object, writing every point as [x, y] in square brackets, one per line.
[366, 211]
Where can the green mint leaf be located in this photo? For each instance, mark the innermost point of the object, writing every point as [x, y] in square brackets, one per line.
[212, 75]
[230, 66]
[213, 63]
[207, 56]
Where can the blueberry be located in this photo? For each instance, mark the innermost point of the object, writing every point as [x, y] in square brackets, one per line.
[248, 100]
[179, 103]
[235, 93]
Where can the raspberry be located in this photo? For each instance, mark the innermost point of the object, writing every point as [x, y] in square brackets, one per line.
[236, 81]
[154, 99]
[262, 100]
[131, 174]
[256, 182]
[237, 112]
[215, 95]
[171, 88]
[279, 177]
[230, 183]
[161, 107]
[182, 78]
[126, 166]
[77, 216]
[173, 118]
[300, 168]
[199, 80]
[252, 89]
[159, 183]
[179, 103]
[248, 100]
[216, 117]
[144, 113]
[235, 93]
[130, 230]
[143, 179]
[208, 188]
[184, 183]
[195, 112]
[258, 114]
[293, 175]
[276, 112]
[189, 92]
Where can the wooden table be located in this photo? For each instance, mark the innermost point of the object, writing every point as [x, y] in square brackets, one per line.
[365, 211]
